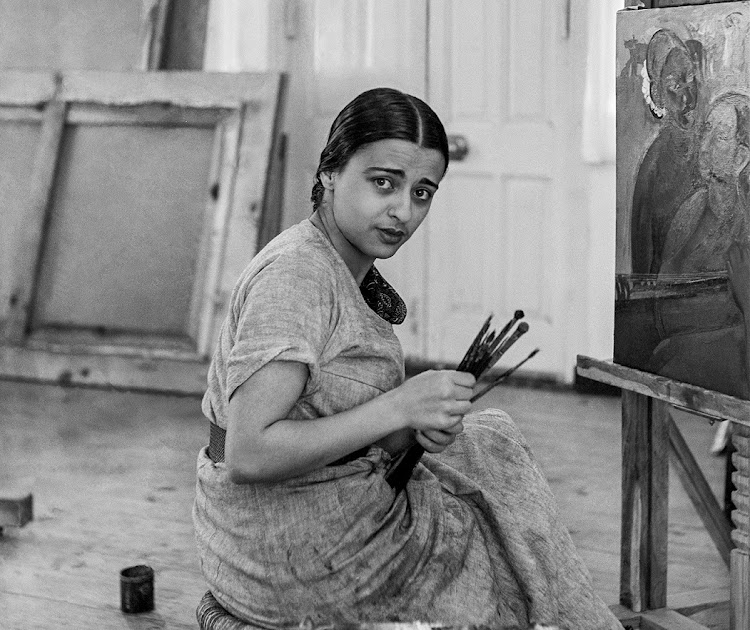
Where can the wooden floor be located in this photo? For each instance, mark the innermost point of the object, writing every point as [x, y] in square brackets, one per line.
[112, 476]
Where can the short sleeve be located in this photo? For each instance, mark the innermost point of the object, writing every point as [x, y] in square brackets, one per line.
[285, 313]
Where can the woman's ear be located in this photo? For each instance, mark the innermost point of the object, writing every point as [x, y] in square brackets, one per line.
[328, 179]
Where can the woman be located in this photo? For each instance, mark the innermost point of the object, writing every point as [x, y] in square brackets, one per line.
[308, 381]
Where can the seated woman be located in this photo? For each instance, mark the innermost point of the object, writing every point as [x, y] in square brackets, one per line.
[308, 382]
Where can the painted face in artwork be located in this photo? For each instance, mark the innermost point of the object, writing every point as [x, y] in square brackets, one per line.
[380, 198]
[678, 86]
[724, 151]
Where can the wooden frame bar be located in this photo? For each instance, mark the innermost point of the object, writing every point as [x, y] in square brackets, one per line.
[648, 434]
[152, 372]
[154, 19]
[28, 251]
[697, 400]
[664, 4]
[228, 142]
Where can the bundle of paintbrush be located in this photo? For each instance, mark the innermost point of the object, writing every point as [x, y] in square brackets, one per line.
[483, 353]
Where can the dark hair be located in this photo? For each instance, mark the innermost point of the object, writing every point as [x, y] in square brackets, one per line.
[378, 114]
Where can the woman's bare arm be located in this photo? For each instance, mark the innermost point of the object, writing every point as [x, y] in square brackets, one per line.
[264, 445]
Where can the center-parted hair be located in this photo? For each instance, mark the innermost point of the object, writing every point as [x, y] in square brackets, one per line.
[378, 114]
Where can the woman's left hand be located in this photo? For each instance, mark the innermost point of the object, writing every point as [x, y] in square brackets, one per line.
[434, 441]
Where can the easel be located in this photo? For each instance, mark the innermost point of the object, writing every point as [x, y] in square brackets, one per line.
[649, 437]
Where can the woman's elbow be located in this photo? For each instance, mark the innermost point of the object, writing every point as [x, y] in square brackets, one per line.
[239, 474]
[243, 470]
[246, 469]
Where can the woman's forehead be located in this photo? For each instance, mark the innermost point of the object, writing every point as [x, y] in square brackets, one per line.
[402, 154]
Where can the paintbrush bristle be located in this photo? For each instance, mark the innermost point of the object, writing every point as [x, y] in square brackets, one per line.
[488, 346]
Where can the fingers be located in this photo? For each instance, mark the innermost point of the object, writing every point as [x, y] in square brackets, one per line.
[427, 444]
[434, 441]
[444, 435]
[462, 385]
[463, 379]
[437, 400]
[458, 407]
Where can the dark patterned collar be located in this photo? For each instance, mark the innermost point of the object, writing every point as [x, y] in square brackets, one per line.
[382, 298]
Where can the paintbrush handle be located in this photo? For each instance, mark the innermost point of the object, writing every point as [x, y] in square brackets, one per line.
[518, 315]
[501, 378]
[398, 476]
[475, 342]
[490, 361]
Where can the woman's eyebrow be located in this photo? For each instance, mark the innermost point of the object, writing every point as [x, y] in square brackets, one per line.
[393, 171]
[399, 173]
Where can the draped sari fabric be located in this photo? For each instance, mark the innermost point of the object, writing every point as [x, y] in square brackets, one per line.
[475, 538]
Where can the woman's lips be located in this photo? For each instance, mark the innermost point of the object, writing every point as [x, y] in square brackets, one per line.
[390, 235]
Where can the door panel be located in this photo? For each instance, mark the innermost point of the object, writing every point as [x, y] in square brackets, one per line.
[494, 241]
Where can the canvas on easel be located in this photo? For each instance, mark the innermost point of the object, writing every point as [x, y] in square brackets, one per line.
[682, 306]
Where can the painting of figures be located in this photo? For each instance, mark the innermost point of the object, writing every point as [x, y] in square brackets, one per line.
[682, 300]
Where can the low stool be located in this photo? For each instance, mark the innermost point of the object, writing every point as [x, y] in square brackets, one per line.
[211, 615]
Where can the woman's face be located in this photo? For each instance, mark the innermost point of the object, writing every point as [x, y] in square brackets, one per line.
[380, 197]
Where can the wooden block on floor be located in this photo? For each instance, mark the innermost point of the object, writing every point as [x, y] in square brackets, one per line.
[16, 512]
[666, 619]
[630, 620]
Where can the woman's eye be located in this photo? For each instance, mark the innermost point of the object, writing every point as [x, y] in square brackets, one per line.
[383, 182]
[423, 194]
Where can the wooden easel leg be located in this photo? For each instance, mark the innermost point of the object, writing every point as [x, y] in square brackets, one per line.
[739, 569]
[645, 495]
[739, 590]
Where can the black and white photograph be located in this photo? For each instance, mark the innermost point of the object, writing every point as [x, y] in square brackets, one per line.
[375, 314]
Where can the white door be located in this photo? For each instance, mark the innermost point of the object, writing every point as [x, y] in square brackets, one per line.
[497, 232]
[337, 49]
[501, 233]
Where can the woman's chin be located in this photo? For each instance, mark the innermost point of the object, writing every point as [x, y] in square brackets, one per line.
[384, 251]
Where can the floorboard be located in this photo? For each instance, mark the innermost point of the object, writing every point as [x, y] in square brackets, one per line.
[113, 474]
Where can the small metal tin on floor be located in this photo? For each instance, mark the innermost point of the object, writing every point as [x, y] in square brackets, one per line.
[137, 589]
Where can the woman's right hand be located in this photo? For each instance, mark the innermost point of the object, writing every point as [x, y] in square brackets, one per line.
[433, 403]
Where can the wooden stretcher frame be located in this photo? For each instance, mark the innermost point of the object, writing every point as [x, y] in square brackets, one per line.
[244, 109]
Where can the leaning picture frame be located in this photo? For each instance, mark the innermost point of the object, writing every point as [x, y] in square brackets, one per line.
[132, 201]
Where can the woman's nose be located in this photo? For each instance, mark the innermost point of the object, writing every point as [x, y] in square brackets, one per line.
[401, 209]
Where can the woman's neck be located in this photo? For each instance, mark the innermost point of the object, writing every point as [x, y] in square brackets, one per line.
[357, 263]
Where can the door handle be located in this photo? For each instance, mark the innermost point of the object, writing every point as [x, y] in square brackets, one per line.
[458, 147]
